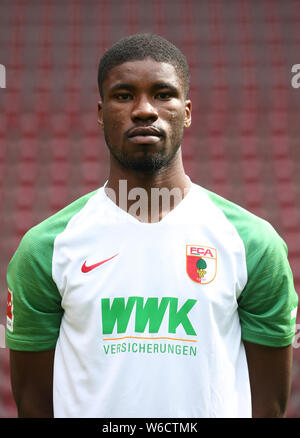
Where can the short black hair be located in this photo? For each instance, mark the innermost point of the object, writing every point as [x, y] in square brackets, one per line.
[141, 46]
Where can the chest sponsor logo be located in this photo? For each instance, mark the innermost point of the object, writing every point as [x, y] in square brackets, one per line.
[148, 312]
[148, 325]
[201, 263]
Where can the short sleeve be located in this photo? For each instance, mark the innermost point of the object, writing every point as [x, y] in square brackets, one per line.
[34, 304]
[268, 303]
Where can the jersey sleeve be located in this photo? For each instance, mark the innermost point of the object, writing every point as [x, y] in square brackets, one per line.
[34, 303]
[268, 303]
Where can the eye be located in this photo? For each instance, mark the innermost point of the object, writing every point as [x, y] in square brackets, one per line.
[164, 95]
[123, 96]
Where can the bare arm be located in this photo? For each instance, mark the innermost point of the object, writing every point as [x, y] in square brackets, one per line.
[32, 383]
[270, 379]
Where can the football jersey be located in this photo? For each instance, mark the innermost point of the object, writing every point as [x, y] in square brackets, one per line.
[148, 319]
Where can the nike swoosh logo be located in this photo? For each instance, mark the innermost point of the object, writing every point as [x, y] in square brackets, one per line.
[86, 269]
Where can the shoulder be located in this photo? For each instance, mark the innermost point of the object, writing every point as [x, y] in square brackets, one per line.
[48, 229]
[256, 233]
[36, 246]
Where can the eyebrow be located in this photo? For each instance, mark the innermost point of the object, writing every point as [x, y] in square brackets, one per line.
[160, 85]
[156, 86]
[122, 86]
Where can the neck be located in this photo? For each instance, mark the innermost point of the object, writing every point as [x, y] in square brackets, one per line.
[148, 197]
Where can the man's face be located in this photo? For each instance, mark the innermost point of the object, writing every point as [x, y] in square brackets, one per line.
[143, 114]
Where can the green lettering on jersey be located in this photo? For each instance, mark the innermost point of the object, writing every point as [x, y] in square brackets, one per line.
[178, 317]
[149, 312]
[116, 313]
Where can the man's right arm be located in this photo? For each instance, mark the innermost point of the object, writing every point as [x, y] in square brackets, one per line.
[32, 382]
[34, 314]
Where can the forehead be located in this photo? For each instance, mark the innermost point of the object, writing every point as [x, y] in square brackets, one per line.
[143, 73]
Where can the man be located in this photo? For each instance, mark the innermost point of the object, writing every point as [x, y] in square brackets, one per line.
[126, 307]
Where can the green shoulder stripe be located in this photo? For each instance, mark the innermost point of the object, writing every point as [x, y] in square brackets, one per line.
[36, 301]
[267, 303]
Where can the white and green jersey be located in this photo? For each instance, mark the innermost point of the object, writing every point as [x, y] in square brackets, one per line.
[148, 319]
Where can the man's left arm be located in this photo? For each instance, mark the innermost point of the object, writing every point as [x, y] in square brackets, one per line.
[270, 370]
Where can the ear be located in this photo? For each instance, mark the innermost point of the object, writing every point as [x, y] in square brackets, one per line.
[100, 115]
[188, 114]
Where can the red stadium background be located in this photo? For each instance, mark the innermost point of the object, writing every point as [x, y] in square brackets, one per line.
[244, 139]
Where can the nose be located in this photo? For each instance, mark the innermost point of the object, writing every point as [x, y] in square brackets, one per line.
[144, 109]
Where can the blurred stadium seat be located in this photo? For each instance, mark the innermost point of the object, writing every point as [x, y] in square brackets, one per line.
[244, 138]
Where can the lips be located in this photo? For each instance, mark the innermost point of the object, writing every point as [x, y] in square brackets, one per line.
[144, 135]
[144, 130]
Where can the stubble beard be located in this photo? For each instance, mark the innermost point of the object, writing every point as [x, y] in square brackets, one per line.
[149, 162]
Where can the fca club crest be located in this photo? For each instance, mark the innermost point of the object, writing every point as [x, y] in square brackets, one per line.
[201, 263]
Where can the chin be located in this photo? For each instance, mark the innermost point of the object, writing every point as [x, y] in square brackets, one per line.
[149, 165]
[145, 162]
